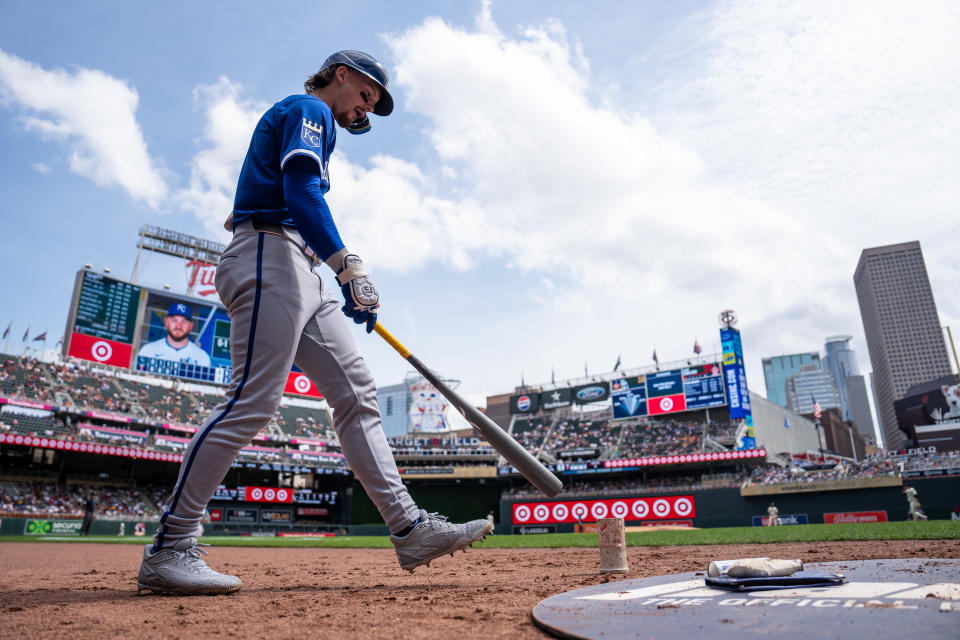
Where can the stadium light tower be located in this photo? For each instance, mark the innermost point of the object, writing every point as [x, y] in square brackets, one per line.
[176, 244]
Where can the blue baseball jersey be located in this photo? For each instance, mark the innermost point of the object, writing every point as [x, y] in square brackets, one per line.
[297, 125]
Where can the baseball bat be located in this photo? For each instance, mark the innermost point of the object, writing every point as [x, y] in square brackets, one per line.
[538, 475]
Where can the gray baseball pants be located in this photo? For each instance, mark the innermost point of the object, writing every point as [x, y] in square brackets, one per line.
[281, 313]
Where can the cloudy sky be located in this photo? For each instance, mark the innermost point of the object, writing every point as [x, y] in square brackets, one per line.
[558, 185]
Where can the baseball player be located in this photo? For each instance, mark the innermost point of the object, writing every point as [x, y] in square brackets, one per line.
[282, 313]
[176, 345]
[773, 515]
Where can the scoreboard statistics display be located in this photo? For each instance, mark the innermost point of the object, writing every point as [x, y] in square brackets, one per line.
[103, 319]
[118, 323]
[695, 387]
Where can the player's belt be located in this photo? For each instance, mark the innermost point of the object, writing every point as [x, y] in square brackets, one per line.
[267, 227]
[277, 230]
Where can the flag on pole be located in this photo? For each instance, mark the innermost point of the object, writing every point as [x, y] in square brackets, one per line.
[60, 341]
[522, 383]
[617, 365]
[655, 358]
[696, 346]
[786, 422]
[26, 334]
[585, 374]
[7, 331]
[41, 337]
[553, 376]
[817, 411]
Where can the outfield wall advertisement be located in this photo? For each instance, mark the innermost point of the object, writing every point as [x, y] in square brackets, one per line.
[630, 509]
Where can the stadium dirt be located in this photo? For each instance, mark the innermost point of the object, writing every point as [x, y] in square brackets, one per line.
[89, 590]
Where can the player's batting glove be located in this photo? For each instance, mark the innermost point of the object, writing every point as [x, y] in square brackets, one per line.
[361, 298]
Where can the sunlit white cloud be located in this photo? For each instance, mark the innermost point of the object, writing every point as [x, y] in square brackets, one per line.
[91, 115]
[229, 119]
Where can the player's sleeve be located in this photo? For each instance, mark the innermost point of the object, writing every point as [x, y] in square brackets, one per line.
[303, 189]
[307, 130]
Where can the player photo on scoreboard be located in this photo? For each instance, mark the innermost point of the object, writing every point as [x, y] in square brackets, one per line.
[184, 338]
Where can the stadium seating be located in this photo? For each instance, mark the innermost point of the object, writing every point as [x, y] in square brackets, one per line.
[652, 437]
[33, 425]
[24, 378]
[47, 499]
[583, 433]
[303, 422]
[531, 432]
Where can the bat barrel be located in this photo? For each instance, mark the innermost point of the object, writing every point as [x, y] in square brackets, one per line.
[538, 475]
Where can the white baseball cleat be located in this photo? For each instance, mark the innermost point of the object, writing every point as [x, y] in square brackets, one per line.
[435, 537]
[180, 569]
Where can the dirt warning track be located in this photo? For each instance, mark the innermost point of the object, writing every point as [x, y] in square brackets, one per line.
[89, 590]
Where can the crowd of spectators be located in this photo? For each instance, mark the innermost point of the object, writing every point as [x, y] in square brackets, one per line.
[635, 486]
[931, 460]
[583, 433]
[869, 467]
[530, 432]
[48, 499]
[653, 437]
[23, 377]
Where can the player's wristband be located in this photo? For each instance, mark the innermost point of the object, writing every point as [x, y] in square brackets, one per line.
[348, 266]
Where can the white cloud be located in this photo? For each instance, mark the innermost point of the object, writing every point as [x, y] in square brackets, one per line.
[41, 167]
[92, 116]
[229, 120]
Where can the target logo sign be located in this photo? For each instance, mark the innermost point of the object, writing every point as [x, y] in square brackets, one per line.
[301, 383]
[683, 507]
[267, 494]
[560, 511]
[640, 509]
[101, 351]
[667, 404]
[598, 510]
[630, 509]
[579, 511]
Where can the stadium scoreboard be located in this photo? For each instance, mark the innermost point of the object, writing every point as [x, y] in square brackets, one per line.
[662, 392]
[118, 323]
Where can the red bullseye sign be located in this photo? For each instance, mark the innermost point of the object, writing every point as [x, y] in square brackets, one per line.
[667, 507]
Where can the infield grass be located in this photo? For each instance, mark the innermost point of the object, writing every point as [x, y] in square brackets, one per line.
[930, 530]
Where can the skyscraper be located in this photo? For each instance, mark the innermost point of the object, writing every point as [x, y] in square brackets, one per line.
[901, 325]
[841, 361]
[810, 383]
[776, 370]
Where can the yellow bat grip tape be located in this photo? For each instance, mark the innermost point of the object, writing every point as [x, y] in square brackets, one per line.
[393, 342]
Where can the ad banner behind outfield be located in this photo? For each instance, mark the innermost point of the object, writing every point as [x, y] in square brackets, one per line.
[630, 509]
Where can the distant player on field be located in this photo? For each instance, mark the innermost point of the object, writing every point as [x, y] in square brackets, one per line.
[773, 515]
[176, 345]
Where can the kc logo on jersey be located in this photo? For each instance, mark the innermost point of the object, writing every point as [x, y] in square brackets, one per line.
[311, 133]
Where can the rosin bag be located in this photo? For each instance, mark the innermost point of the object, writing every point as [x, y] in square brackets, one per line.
[754, 568]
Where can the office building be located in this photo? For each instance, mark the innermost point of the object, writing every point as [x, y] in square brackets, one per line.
[841, 361]
[809, 384]
[859, 403]
[394, 403]
[901, 325]
[776, 370]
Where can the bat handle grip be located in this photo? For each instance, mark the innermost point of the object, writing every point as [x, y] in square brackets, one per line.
[393, 342]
